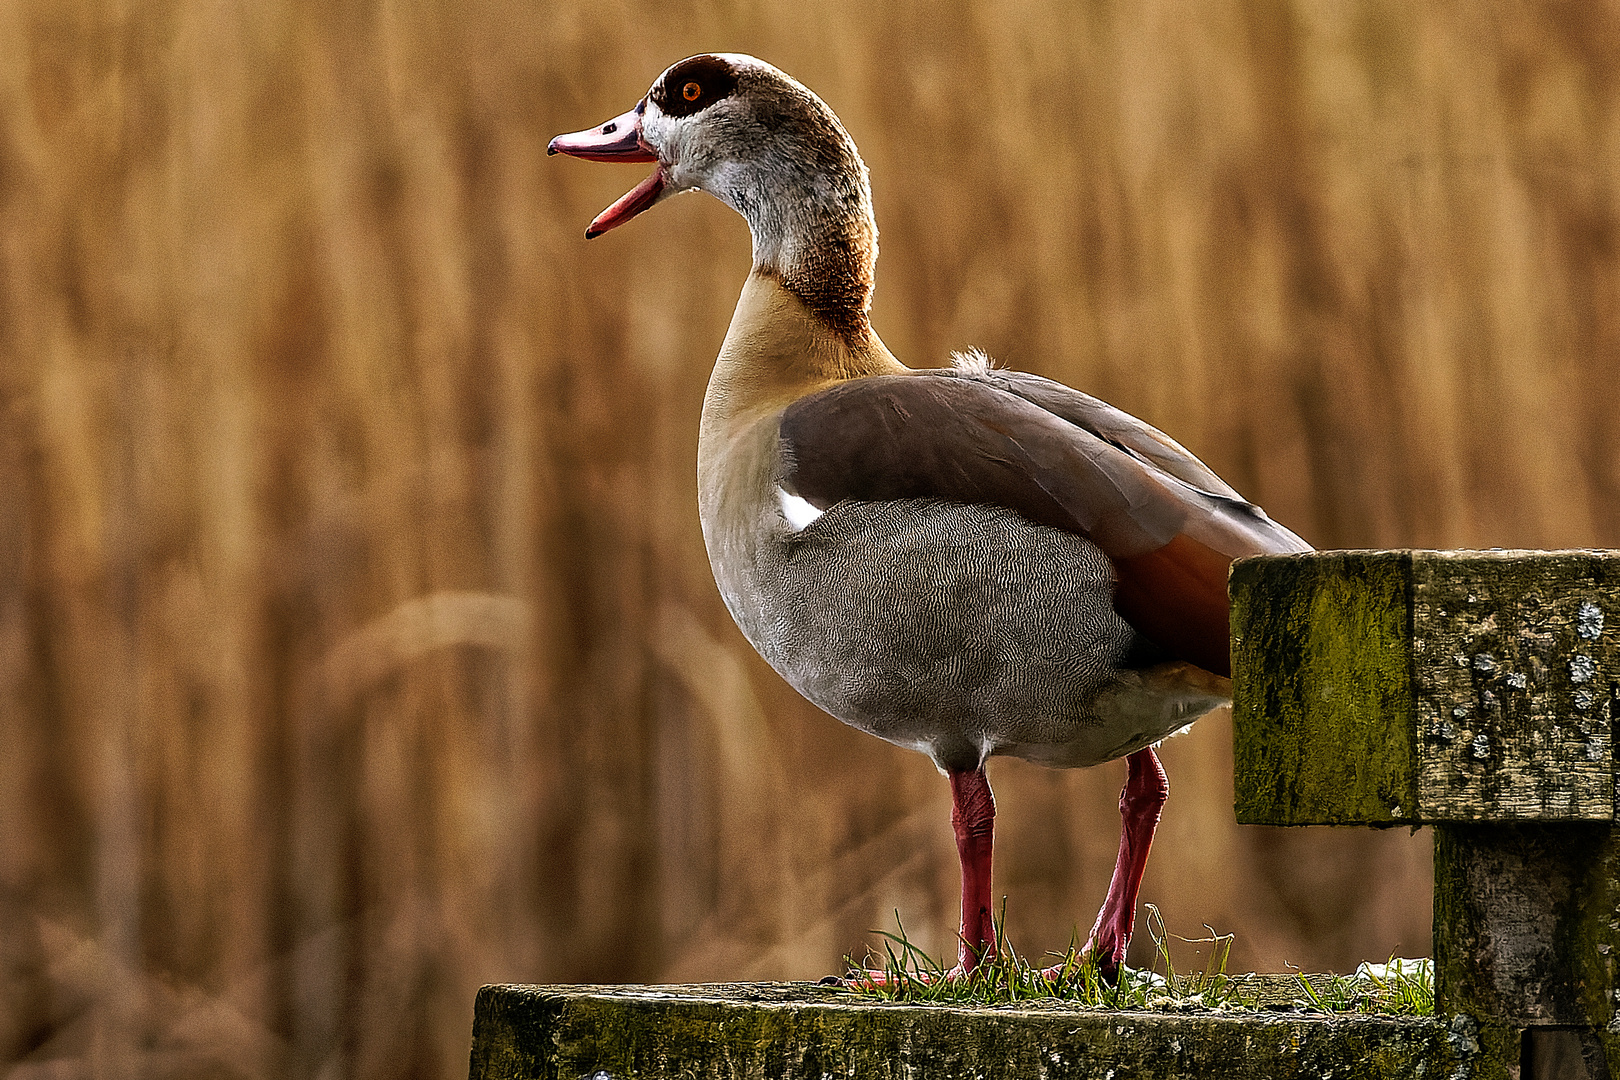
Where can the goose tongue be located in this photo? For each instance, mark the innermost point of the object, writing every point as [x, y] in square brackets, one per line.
[617, 140]
[628, 205]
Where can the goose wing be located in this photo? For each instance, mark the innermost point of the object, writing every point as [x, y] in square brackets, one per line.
[1169, 525]
[1106, 422]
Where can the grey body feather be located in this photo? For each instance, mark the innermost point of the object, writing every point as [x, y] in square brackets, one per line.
[961, 630]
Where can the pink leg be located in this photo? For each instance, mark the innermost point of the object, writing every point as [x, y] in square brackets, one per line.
[1139, 805]
[973, 816]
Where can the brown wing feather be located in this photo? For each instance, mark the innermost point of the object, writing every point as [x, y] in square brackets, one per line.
[947, 436]
[906, 437]
[1108, 423]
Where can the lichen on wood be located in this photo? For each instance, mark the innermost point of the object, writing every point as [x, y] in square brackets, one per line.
[1516, 673]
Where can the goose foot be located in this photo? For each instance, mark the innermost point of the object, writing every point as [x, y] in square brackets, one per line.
[869, 979]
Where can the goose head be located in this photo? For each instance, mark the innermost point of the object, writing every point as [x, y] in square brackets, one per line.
[762, 143]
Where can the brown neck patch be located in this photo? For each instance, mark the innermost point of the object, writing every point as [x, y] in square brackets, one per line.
[834, 280]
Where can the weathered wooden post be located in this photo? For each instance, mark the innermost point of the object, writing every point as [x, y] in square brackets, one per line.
[1477, 693]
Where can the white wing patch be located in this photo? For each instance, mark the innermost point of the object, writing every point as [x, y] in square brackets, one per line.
[799, 512]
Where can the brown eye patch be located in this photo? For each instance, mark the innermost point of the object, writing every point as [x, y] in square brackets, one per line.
[694, 84]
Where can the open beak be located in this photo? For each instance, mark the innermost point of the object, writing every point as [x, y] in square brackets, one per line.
[617, 140]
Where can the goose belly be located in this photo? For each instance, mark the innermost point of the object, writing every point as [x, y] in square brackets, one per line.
[962, 631]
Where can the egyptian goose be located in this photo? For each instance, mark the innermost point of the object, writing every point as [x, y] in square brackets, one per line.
[964, 560]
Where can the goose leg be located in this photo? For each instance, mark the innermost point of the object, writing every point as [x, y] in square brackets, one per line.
[1139, 805]
[973, 816]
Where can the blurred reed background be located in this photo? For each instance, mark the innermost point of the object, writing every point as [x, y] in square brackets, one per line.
[357, 645]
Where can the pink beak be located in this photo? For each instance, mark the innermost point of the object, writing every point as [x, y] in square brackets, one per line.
[617, 140]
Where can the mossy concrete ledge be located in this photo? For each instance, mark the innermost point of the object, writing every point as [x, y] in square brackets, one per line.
[800, 1031]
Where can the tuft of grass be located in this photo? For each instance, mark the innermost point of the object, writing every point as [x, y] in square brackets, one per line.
[1209, 987]
[1399, 987]
[907, 972]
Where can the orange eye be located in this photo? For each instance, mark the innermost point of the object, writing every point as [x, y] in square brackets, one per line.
[691, 91]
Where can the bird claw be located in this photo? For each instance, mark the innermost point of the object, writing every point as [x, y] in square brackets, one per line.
[1104, 947]
[1108, 947]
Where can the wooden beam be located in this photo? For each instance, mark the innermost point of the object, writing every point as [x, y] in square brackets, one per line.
[1405, 687]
